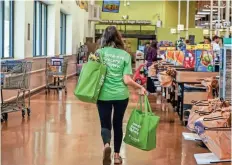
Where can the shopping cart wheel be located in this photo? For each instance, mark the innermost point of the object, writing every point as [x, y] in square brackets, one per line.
[5, 116]
[28, 111]
[23, 113]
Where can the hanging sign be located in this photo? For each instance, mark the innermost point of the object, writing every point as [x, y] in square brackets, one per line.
[173, 31]
[205, 31]
[180, 27]
[159, 23]
[129, 22]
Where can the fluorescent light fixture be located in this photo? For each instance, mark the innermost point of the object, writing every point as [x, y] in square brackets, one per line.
[203, 13]
[199, 16]
[208, 10]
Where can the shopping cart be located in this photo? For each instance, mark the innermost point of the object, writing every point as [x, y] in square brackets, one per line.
[56, 70]
[15, 75]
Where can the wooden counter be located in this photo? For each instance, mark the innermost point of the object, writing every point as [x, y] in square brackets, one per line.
[193, 77]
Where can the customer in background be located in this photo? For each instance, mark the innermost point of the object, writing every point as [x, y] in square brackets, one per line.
[216, 47]
[215, 43]
[207, 40]
[114, 93]
[187, 42]
[151, 57]
[151, 54]
[147, 46]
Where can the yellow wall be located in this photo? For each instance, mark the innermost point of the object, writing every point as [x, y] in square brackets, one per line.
[165, 34]
[149, 10]
[138, 10]
[171, 14]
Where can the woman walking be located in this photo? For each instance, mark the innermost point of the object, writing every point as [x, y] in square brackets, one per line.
[114, 93]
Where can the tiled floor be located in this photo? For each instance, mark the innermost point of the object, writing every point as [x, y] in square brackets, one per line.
[64, 131]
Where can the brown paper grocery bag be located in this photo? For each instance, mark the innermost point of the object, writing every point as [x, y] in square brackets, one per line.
[215, 132]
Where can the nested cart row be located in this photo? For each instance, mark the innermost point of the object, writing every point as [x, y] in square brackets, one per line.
[15, 75]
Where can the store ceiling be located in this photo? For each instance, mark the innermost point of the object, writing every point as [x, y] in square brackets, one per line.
[203, 9]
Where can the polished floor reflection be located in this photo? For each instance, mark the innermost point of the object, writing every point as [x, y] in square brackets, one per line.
[64, 131]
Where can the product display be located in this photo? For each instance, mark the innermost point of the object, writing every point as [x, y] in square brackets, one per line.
[204, 60]
[189, 59]
[170, 55]
[179, 58]
[163, 46]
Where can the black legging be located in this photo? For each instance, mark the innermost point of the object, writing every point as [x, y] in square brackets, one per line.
[150, 85]
[105, 110]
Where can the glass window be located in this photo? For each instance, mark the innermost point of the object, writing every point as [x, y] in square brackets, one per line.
[40, 29]
[62, 33]
[6, 28]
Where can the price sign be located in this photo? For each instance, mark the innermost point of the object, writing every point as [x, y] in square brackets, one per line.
[162, 48]
[171, 48]
[191, 47]
[207, 46]
[204, 46]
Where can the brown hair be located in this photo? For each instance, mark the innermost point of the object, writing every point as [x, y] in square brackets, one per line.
[112, 37]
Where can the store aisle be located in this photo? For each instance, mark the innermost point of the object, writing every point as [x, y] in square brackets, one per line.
[63, 131]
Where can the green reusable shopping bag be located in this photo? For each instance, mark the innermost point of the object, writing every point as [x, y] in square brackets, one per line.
[90, 81]
[141, 127]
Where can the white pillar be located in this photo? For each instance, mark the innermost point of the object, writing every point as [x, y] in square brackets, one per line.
[19, 31]
[227, 16]
[222, 12]
[211, 19]
[187, 19]
[219, 16]
[179, 12]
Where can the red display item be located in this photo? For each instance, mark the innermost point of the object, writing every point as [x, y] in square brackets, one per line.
[139, 77]
[189, 59]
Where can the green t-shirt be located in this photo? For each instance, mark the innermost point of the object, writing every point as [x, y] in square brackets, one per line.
[118, 64]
